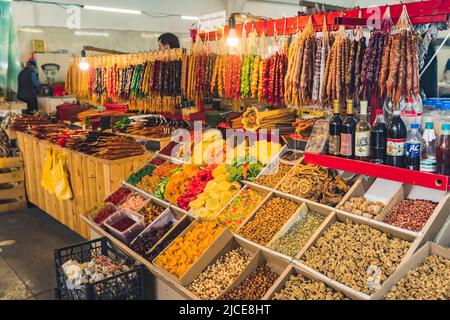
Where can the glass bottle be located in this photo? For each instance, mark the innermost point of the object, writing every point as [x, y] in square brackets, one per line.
[334, 139]
[362, 136]
[348, 133]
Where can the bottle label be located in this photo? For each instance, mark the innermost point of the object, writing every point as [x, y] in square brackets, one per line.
[346, 145]
[362, 146]
[334, 145]
[428, 165]
[395, 147]
[412, 150]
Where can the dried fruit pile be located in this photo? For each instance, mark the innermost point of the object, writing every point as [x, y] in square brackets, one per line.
[217, 193]
[362, 207]
[151, 212]
[185, 250]
[144, 243]
[237, 211]
[356, 255]
[133, 203]
[120, 195]
[211, 283]
[300, 288]
[315, 183]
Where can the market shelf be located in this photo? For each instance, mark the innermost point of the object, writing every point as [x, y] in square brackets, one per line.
[427, 180]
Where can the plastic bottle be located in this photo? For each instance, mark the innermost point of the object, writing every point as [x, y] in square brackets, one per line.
[428, 152]
[443, 151]
[412, 148]
[396, 138]
[378, 136]
[409, 115]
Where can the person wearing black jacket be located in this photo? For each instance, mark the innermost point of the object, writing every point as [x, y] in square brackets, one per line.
[29, 84]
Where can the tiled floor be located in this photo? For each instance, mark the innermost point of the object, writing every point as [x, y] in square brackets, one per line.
[27, 267]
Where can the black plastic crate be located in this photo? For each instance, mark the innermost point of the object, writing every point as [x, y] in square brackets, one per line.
[125, 286]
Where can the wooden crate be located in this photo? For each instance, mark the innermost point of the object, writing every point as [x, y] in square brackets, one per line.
[12, 186]
[91, 179]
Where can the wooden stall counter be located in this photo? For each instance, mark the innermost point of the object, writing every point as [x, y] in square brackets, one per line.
[91, 180]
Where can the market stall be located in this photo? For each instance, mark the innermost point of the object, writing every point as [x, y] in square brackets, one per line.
[341, 219]
[91, 177]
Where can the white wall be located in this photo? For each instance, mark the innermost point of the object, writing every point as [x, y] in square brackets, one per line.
[57, 39]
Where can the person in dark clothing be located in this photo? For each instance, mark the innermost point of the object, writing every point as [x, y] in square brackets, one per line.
[446, 77]
[29, 84]
[168, 41]
[429, 80]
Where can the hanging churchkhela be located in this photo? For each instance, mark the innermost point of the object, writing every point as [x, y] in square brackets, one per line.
[147, 82]
[400, 63]
[303, 68]
[336, 69]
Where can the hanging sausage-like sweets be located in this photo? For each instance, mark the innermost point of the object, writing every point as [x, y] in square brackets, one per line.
[399, 73]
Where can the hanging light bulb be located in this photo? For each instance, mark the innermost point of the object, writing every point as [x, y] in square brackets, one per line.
[232, 39]
[83, 65]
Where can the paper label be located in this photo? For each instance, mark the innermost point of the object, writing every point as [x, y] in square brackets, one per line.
[346, 145]
[362, 146]
[396, 147]
[334, 145]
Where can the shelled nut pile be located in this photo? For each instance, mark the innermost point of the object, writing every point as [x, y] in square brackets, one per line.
[217, 277]
[430, 281]
[151, 212]
[299, 287]
[298, 235]
[356, 255]
[411, 214]
[255, 286]
[362, 207]
[272, 216]
[271, 180]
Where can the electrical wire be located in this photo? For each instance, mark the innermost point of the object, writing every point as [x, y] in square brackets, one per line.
[158, 15]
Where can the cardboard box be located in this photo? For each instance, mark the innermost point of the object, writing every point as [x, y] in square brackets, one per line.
[304, 210]
[232, 244]
[294, 270]
[276, 265]
[204, 259]
[343, 217]
[415, 261]
[268, 198]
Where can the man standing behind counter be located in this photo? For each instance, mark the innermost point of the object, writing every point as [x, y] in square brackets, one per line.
[29, 86]
[168, 41]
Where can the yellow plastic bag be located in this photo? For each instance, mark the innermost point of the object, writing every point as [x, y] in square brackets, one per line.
[47, 181]
[63, 190]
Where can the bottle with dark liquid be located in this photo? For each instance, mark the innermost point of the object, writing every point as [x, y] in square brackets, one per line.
[443, 151]
[378, 137]
[362, 136]
[334, 138]
[348, 133]
[396, 139]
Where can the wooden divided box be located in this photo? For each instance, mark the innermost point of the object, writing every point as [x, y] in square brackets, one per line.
[12, 185]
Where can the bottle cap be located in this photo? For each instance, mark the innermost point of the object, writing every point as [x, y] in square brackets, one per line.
[380, 112]
[415, 126]
[429, 125]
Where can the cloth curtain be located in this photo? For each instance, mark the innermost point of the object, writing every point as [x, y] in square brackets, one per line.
[9, 52]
